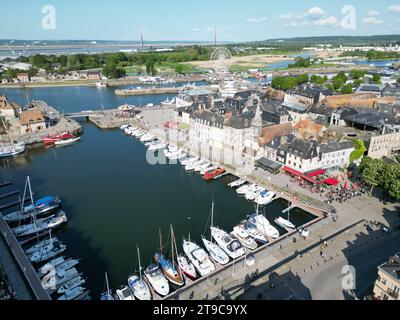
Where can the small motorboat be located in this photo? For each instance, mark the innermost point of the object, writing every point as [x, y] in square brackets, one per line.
[286, 224]
[229, 244]
[208, 176]
[54, 139]
[157, 280]
[198, 257]
[264, 197]
[139, 288]
[125, 294]
[237, 183]
[65, 142]
[253, 232]
[244, 238]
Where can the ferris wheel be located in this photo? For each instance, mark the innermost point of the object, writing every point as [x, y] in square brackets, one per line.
[221, 60]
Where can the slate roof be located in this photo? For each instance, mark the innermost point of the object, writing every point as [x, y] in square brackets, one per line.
[334, 146]
[392, 267]
[303, 149]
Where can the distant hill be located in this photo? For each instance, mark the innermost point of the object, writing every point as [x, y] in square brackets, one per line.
[334, 40]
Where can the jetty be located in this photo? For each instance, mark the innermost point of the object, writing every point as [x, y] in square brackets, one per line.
[147, 91]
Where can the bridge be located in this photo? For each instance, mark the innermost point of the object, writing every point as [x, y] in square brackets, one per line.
[85, 114]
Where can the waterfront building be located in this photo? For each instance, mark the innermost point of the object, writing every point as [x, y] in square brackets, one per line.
[303, 156]
[23, 77]
[32, 121]
[8, 109]
[387, 286]
[335, 155]
[94, 75]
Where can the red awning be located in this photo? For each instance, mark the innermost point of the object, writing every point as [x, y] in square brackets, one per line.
[332, 182]
[299, 174]
[317, 173]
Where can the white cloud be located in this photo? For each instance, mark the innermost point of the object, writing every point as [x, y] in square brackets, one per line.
[394, 8]
[372, 21]
[373, 13]
[195, 29]
[315, 13]
[286, 16]
[257, 20]
[326, 22]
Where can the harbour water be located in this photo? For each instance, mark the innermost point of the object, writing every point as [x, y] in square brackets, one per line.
[114, 199]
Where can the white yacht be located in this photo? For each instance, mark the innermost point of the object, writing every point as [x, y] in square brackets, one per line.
[244, 238]
[60, 268]
[189, 160]
[253, 232]
[216, 253]
[285, 224]
[41, 225]
[125, 294]
[264, 197]
[147, 137]
[229, 244]
[198, 257]
[264, 226]
[11, 149]
[253, 192]
[243, 190]
[207, 169]
[237, 183]
[157, 280]
[139, 288]
[66, 142]
[158, 146]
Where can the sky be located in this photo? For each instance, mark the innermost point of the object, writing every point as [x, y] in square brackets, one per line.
[173, 20]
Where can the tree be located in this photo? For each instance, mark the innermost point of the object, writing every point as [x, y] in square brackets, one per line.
[357, 74]
[114, 72]
[398, 80]
[376, 78]
[371, 171]
[317, 79]
[391, 180]
[339, 80]
[347, 89]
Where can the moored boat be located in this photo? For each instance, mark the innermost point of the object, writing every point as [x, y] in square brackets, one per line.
[198, 257]
[187, 267]
[157, 280]
[169, 270]
[229, 244]
[264, 226]
[286, 224]
[213, 174]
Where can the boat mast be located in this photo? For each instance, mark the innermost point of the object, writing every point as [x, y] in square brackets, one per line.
[174, 247]
[212, 219]
[161, 245]
[140, 265]
[108, 287]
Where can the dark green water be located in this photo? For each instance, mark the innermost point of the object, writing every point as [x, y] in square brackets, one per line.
[115, 199]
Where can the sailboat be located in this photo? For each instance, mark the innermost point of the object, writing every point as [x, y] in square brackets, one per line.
[263, 225]
[285, 224]
[168, 268]
[138, 286]
[187, 267]
[10, 149]
[213, 249]
[107, 296]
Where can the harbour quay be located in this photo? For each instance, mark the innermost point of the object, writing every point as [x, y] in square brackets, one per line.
[58, 124]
